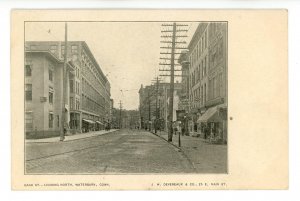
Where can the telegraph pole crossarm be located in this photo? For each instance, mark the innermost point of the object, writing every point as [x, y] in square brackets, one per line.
[182, 42]
[162, 64]
[167, 70]
[165, 58]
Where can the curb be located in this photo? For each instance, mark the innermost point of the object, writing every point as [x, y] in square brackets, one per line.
[77, 138]
[181, 150]
[167, 141]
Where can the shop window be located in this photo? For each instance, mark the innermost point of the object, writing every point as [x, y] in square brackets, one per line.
[28, 92]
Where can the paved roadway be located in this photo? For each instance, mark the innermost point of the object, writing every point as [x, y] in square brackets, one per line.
[123, 151]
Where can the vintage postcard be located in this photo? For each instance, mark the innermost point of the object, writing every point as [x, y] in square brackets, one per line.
[149, 99]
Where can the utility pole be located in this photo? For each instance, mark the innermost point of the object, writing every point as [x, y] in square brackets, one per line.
[172, 64]
[120, 121]
[64, 93]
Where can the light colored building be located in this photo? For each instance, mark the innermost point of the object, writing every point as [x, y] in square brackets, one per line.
[164, 103]
[208, 80]
[43, 93]
[88, 89]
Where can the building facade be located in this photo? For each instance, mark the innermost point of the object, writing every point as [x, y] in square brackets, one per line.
[154, 105]
[88, 90]
[146, 106]
[207, 58]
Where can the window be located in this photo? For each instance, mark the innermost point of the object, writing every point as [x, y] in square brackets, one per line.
[201, 95]
[210, 92]
[74, 49]
[53, 49]
[50, 75]
[50, 95]
[50, 120]
[71, 103]
[220, 84]
[215, 87]
[58, 121]
[77, 83]
[205, 39]
[32, 47]
[197, 52]
[198, 73]
[202, 68]
[205, 63]
[28, 92]
[204, 93]
[28, 70]
[71, 86]
[28, 121]
[77, 104]
[202, 45]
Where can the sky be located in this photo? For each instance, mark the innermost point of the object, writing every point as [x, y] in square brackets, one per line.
[128, 52]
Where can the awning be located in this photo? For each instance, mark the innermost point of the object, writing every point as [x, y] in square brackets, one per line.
[88, 121]
[99, 122]
[211, 115]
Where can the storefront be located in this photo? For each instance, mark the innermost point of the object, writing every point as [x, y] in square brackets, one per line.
[99, 126]
[75, 122]
[192, 122]
[88, 125]
[213, 124]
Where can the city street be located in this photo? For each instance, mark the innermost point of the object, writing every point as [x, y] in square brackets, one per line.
[123, 151]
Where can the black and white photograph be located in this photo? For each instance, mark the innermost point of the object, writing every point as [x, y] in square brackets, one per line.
[125, 97]
[149, 99]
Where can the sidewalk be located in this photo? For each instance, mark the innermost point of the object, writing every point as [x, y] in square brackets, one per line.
[206, 157]
[70, 137]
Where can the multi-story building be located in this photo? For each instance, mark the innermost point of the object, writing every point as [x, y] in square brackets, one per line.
[43, 93]
[148, 103]
[208, 79]
[88, 89]
[184, 96]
